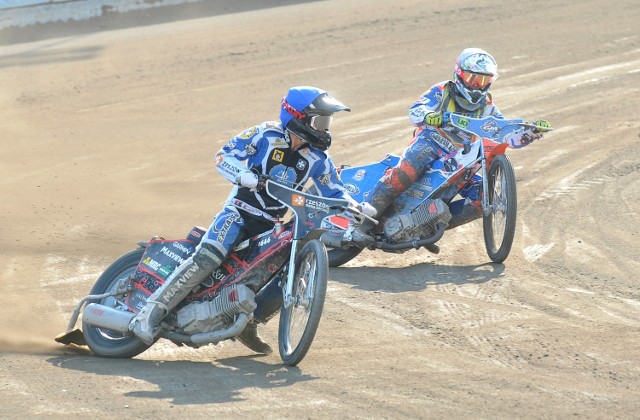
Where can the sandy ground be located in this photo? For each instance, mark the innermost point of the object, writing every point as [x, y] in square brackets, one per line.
[108, 138]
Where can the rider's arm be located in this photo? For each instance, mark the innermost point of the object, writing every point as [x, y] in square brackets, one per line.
[520, 138]
[230, 159]
[491, 110]
[524, 136]
[429, 101]
[326, 178]
[516, 139]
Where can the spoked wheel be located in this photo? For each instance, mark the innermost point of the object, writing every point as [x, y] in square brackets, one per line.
[500, 224]
[107, 343]
[299, 322]
[337, 257]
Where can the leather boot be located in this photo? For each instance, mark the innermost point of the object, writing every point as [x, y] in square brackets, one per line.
[381, 197]
[250, 338]
[177, 286]
[362, 234]
[433, 248]
[268, 303]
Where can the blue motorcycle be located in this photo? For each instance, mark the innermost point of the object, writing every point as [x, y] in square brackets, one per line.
[420, 215]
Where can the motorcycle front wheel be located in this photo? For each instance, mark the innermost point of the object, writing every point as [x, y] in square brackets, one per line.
[500, 224]
[299, 321]
[337, 257]
[107, 343]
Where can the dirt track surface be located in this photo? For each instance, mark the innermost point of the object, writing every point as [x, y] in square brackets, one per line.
[108, 139]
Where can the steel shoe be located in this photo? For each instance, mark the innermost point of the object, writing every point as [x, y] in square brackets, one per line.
[145, 324]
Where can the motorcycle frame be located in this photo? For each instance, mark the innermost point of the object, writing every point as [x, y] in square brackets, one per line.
[300, 232]
[487, 149]
[484, 157]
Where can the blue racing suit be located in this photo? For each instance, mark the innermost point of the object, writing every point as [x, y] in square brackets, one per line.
[264, 149]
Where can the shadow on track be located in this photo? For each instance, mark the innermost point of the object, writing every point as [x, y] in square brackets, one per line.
[190, 382]
[415, 277]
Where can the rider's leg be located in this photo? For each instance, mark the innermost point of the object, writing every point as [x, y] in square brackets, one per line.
[269, 302]
[268, 298]
[207, 257]
[416, 159]
[469, 208]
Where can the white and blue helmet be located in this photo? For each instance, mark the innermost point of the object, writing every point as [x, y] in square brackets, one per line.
[474, 72]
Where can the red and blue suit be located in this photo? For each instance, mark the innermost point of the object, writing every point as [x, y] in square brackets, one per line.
[426, 147]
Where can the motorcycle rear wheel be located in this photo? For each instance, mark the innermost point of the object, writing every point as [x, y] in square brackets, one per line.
[337, 257]
[500, 224]
[107, 343]
[299, 322]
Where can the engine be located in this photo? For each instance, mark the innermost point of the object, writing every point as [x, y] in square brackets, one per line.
[218, 313]
[422, 222]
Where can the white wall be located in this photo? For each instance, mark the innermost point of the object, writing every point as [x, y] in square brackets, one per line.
[18, 13]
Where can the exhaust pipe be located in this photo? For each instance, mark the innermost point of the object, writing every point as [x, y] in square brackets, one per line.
[101, 316]
[332, 240]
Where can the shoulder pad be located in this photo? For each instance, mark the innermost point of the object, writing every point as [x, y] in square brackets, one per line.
[271, 126]
[314, 152]
[248, 133]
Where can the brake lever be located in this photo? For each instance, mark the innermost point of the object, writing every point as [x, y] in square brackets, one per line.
[262, 181]
[534, 127]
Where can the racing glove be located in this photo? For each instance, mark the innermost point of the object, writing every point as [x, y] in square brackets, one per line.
[521, 137]
[433, 119]
[247, 179]
[529, 136]
[542, 126]
[367, 209]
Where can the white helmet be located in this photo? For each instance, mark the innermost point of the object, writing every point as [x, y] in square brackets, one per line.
[474, 72]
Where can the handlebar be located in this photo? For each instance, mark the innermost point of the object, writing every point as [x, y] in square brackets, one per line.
[262, 181]
[446, 119]
[489, 127]
[264, 178]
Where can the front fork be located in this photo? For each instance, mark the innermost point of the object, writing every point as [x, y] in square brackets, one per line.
[486, 206]
[287, 290]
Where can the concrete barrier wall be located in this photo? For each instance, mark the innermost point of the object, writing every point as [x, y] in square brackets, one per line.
[20, 13]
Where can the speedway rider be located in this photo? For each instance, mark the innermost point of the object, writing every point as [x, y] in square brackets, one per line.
[292, 150]
[467, 94]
